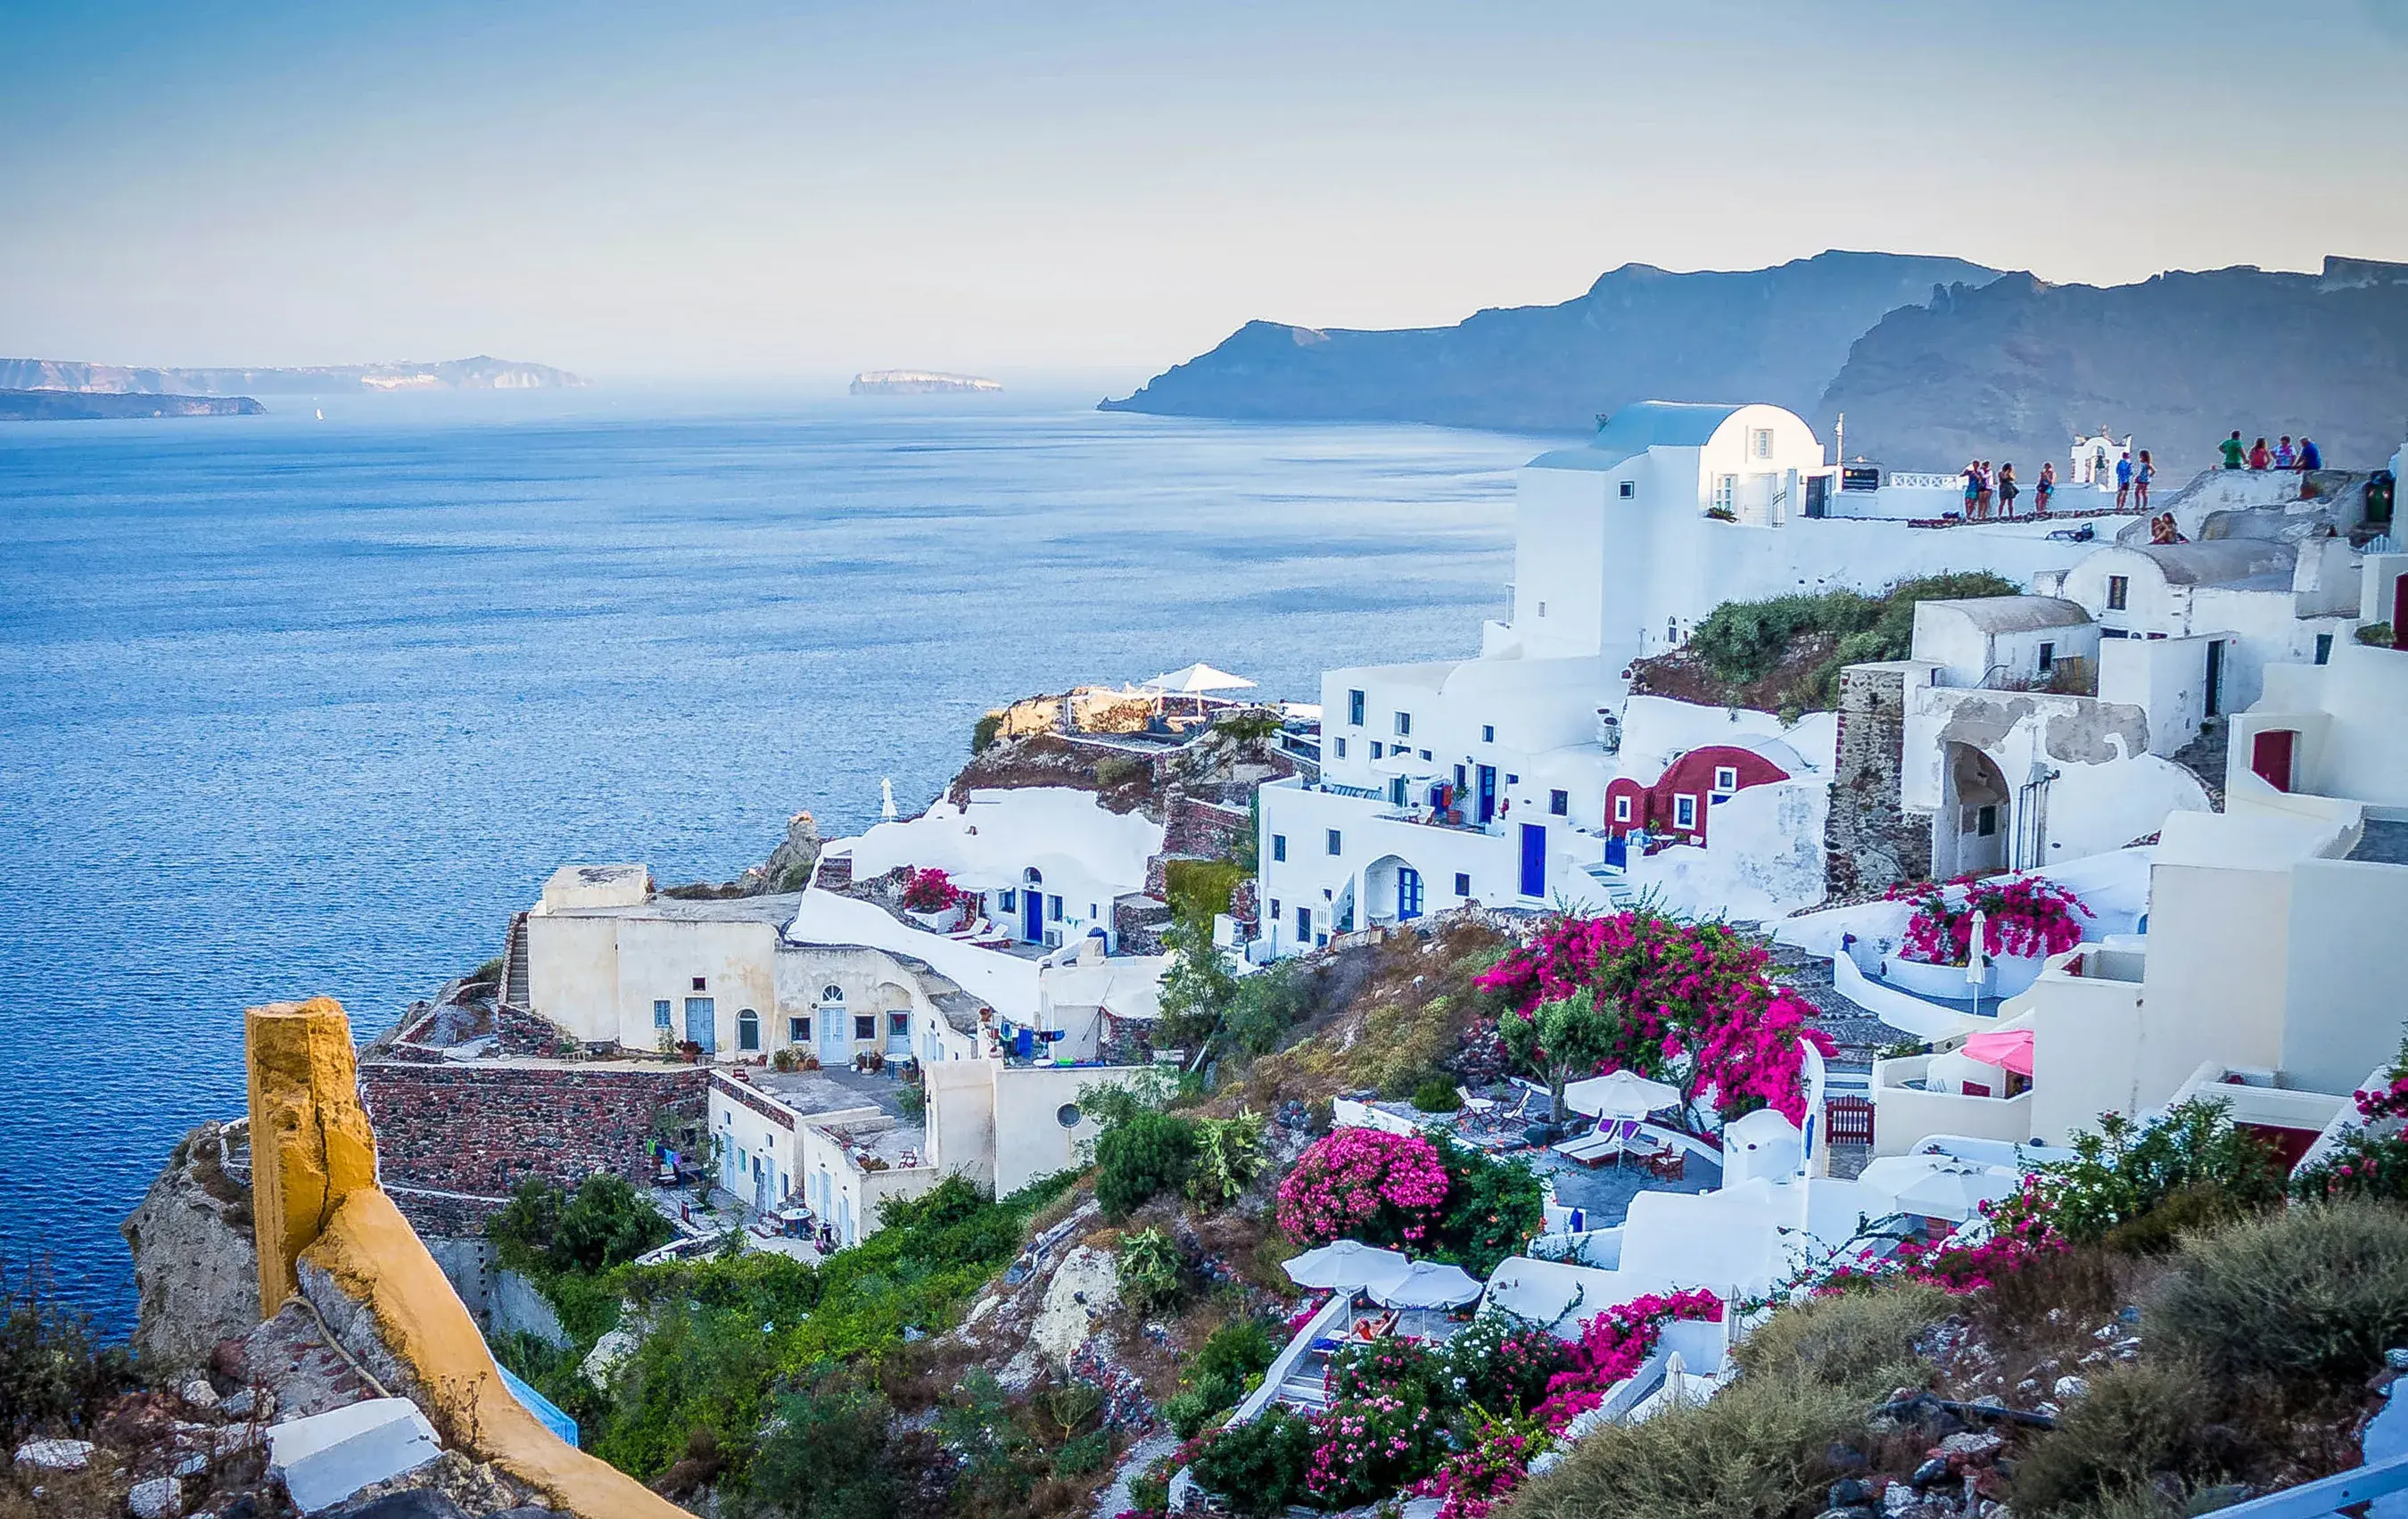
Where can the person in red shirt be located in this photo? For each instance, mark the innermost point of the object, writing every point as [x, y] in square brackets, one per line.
[2258, 457]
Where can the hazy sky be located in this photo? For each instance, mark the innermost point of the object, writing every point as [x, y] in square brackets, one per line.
[742, 189]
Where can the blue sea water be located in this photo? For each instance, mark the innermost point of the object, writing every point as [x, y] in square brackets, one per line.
[292, 707]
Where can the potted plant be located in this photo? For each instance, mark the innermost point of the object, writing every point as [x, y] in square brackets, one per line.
[2024, 920]
[932, 900]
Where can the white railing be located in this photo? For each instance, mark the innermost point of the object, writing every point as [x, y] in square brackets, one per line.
[1901, 479]
[2313, 1500]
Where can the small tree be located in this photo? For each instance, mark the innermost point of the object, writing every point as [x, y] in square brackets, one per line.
[1196, 987]
[1152, 1153]
[1565, 1037]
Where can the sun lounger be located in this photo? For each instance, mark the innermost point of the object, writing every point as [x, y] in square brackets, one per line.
[1589, 1149]
[979, 929]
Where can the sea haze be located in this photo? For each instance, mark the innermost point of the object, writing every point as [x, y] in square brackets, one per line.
[301, 706]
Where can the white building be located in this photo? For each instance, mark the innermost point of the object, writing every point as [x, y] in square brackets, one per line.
[1483, 779]
[803, 1139]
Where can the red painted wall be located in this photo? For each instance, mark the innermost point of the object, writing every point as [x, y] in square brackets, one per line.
[1693, 775]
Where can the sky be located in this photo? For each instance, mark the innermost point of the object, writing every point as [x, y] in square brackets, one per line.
[740, 191]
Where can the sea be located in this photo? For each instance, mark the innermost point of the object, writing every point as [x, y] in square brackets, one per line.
[311, 703]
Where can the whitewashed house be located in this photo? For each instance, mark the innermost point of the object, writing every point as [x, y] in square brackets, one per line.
[1484, 779]
[1044, 863]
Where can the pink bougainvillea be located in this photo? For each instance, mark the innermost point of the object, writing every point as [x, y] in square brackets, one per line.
[1495, 1461]
[1696, 1001]
[930, 891]
[1613, 1344]
[2027, 917]
[1363, 1184]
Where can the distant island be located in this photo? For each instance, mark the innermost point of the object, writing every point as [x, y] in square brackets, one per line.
[919, 382]
[481, 373]
[73, 405]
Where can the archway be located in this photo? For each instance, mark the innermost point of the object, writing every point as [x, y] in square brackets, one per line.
[1392, 891]
[1970, 831]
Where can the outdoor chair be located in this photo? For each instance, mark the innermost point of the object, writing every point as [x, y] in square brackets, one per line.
[1481, 1106]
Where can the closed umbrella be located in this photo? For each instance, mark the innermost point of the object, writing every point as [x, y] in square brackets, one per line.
[1427, 1285]
[1622, 1094]
[1343, 1266]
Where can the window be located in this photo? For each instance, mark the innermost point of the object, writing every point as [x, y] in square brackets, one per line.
[661, 1014]
[1067, 1115]
[1378, 748]
[899, 1025]
[1424, 753]
[1279, 846]
[865, 1026]
[1488, 733]
[1395, 791]
[798, 1031]
[1463, 883]
[1275, 911]
[748, 1030]
[1622, 808]
[1404, 725]
[1987, 823]
[1542, 608]
[832, 994]
[1032, 877]
[1559, 803]
[1629, 490]
[1332, 841]
[701, 985]
[1304, 925]
[1460, 777]
[1007, 900]
[1338, 748]
[1760, 443]
[2047, 657]
[1726, 493]
[1726, 777]
[2119, 590]
[1354, 708]
[1684, 811]
[1053, 910]
[2324, 648]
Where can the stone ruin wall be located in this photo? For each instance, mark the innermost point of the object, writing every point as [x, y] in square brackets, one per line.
[1869, 842]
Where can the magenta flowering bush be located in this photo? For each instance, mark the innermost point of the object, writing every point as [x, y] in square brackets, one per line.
[1613, 1344]
[1495, 1460]
[930, 891]
[2366, 1162]
[1365, 1184]
[2027, 917]
[1696, 1005]
[1368, 1447]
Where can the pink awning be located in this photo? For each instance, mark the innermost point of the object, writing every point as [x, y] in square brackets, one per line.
[2009, 1051]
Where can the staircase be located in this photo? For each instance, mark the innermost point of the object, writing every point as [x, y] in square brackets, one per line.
[1307, 1388]
[514, 962]
[1619, 893]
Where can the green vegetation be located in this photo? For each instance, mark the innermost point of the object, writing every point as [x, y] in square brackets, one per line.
[2135, 1186]
[725, 1336]
[1152, 1153]
[829, 1455]
[489, 973]
[2318, 1291]
[1493, 1206]
[57, 1374]
[983, 732]
[1228, 1157]
[2378, 635]
[1740, 643]
[1256, 1468]
[1149, 1267]
[1198, 889]
[1120, 770]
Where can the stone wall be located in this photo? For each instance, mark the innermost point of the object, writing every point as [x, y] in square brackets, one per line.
[474, 1131]
[1206, 830]
[1137, 923]
[1869, 843]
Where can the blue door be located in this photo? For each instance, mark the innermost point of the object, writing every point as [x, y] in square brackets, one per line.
[701, 1022]
[1487, 793]
[1409, 893]
[1617, 850]
[1534, 859]
[1032, 913]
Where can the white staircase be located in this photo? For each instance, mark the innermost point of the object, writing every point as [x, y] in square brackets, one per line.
[1615, 883]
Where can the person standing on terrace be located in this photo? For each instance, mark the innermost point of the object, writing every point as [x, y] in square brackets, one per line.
[2044, 487]
[2234, 451]
[2123, 481]
[2008, 489]
[2258, 457]
[2141, 478]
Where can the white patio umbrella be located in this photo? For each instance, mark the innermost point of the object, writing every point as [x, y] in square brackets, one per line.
[1193, 679]
[1343, 1266]
[1957, 1193]
[1427, 1285]
[1622, 1094]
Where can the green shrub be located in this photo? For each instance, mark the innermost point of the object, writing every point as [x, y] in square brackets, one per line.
[1148, 1265]
[1083, 1454]
[2134, 1422]
[55, 1372]
[1152, 1153]
[1122, 770]
[1492, 1207]
[1863, 1340]
[2125, 1169]
[545, 1232]
[1188, 1411]
[1257, 1468]
[1197, 986]
[1744, 641]
[1263, 1007]
[1438, 1096]
[1237, 1352]
[828, 1455]
[1197, 890]
[1228, 1157]
[2319, 1291]
[2377, 635]
[997, 1455]
[1761, 1447]
[983, 732]
[487, 974]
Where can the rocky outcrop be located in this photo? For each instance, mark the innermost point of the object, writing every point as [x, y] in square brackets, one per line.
[196, 1266]
[63, 406]
[1774, 335]
[788, 868]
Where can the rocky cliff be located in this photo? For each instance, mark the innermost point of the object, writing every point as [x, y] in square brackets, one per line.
[2012, 370]
[481, 373]
[195, 1263]
[1760, 335]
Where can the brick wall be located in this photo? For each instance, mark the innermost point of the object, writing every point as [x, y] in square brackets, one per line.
[478, 1130]
[1869, 843]
[1137, 923]
[1207, 830]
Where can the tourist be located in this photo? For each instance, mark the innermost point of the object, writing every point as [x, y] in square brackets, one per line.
[2234, 450]
[2008, 489]
[2284, 457]
[2258, 457]
[2043, 488]
[1973, 486]
[2123, 481]
[2311, 457]
[2141, 478]
[1981, 501]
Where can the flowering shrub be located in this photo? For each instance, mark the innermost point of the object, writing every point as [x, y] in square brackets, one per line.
[1613, 1344]
[1495, 1366]
[2026, 917]
[1495, 1460]
[1313, 1303]
[2388, 1099]
[930, 891]
[1364, 1185]
[1693, 1003]
[2361, 1165]
[1369, 1447]
[1403, 1367]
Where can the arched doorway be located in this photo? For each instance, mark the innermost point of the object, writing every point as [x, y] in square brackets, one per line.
[1391, 890]
[1032, 905]
[1970, 832]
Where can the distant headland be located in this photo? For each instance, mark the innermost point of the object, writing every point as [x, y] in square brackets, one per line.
[481, 373]
[73, 405]
[919, 382]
